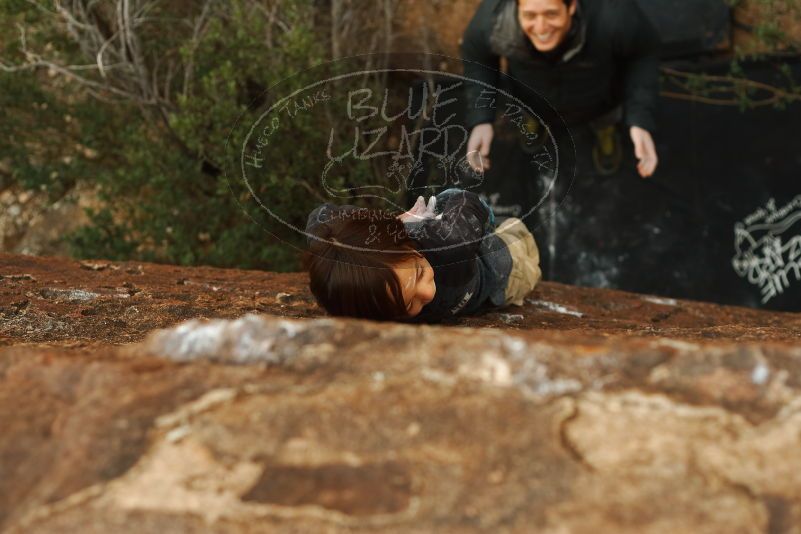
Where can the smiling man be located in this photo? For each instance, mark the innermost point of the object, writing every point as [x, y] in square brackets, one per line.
[593, 60]
[546, 23]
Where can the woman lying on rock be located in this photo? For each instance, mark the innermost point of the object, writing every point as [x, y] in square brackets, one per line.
[437, 260]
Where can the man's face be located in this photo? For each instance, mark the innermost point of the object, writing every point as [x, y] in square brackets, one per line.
[545, 22]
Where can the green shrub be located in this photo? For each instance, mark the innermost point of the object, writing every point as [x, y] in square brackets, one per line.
[157, 157]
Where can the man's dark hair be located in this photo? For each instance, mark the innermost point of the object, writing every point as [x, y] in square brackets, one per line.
[349, 281]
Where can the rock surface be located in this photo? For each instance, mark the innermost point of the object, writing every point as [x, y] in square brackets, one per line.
[584, 411]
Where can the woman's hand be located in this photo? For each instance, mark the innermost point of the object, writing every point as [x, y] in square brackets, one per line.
[420, 210]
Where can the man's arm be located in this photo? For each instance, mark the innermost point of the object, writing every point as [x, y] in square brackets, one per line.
[636, 47]
[481, 64]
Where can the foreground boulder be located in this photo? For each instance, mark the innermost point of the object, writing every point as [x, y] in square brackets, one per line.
[584, 411]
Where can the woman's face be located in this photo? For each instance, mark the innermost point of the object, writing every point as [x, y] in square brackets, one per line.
[416, 277]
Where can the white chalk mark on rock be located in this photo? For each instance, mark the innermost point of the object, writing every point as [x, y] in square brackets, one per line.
[661, 301]
[760, 374]
[554, 307]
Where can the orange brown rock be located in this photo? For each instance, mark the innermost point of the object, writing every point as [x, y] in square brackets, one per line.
[598, 411]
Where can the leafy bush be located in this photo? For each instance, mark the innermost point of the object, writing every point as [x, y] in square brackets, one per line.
[142, 108]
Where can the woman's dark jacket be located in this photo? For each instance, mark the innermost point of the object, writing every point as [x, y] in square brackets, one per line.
[471, 265]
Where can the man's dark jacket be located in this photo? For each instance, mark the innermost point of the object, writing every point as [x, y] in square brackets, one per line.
[608, 58]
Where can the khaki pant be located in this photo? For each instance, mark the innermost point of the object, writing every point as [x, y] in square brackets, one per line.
[525, 260]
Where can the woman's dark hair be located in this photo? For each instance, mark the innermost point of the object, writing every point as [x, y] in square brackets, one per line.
[350, 264]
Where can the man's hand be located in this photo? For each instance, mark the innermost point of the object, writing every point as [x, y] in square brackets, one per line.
[478, 147]
[644, 150]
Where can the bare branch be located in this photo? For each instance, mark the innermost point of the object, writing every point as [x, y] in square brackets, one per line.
[730, 85]
[197, 32]
[100, 52]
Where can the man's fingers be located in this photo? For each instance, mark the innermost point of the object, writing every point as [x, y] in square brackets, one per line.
[478, 147]
[478, 162]
[643, 170]
[473, 158]
[651, 166]
[642, 167]
[475, 144]
[485, 161]
[648, 162]
[640, 163]
[644, 150]
[654, 160]
[639, 149]
[647, 166]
